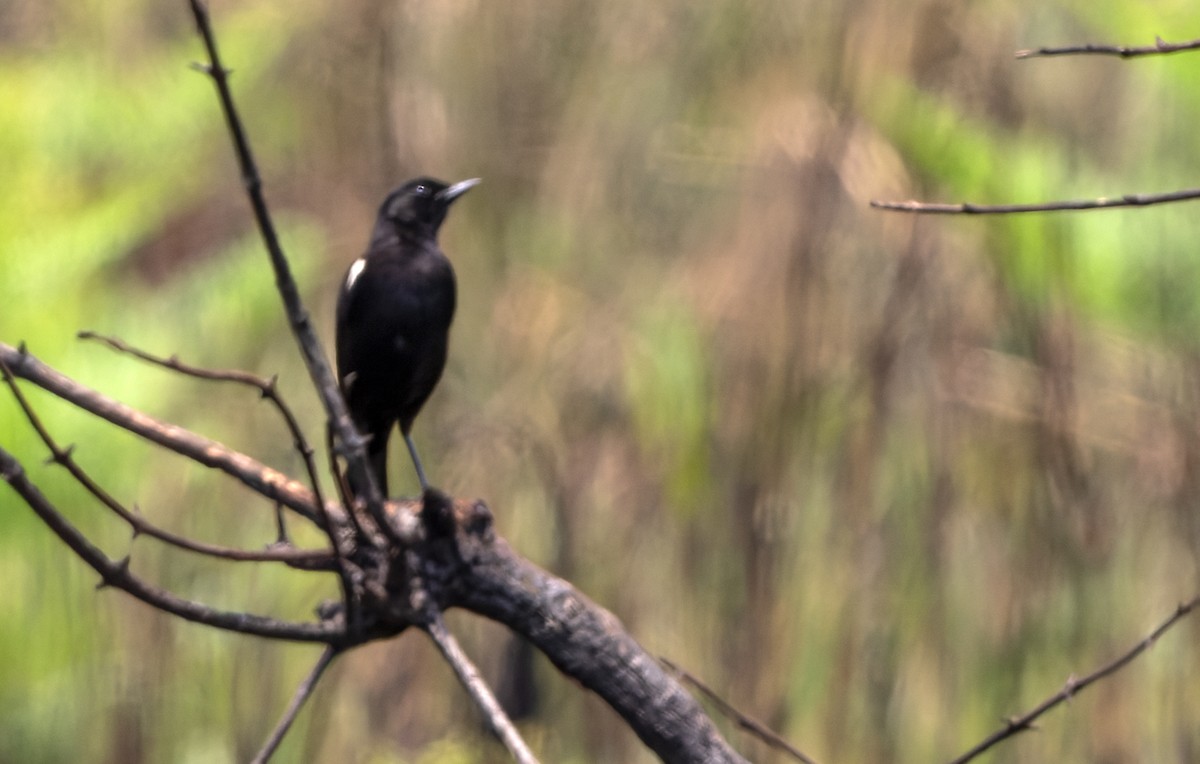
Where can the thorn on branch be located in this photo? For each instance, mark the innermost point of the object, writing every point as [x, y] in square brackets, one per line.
[1017, 724]
[120, 569]
[61, 456]
[209, 70]
[1070, 687]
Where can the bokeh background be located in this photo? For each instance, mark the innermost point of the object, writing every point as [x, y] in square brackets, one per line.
[879, 480]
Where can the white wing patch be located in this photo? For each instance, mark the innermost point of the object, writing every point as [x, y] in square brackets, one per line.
[355, 271]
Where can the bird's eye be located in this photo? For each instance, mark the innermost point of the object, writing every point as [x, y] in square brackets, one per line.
[421, 190]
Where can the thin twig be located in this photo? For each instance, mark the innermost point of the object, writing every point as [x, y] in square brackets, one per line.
[302, 694]
[968, 208]
[501, 725]
[310, 347]
[267, 388]
[305, 558]
[1074, 686]
[1159, 47]
[116, 574]
[753, 726]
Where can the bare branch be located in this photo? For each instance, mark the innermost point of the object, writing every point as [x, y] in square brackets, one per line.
[302, 694]
[753, 726]
[319, 370]
[260, 478]
[267, 388]
[1159, 47]
[117, 574]
[968, 208]
[1074, 686]
[303, 558]
[484, 699]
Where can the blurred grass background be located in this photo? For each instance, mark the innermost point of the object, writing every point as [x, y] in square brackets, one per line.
[879, 480]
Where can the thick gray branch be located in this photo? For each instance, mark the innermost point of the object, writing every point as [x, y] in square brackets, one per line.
[476, 570]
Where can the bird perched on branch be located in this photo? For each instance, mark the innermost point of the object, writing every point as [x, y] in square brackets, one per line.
[393, 318]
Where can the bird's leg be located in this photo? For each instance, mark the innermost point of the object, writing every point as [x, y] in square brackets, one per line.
[412, 449]
[281, 537]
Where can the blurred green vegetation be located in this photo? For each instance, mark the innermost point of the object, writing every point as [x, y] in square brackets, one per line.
[879, 480]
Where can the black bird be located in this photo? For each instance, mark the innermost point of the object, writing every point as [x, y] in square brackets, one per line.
[393, 318]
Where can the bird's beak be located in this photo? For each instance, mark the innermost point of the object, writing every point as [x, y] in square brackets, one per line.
[458, 189]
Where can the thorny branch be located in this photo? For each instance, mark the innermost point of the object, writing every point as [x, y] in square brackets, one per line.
[301, 558]
[267, 388]
[1075, 686]
[1125, 200]
[968, 208]
[256, 476]
[352, 443]
[1159, 47]
[117, 574]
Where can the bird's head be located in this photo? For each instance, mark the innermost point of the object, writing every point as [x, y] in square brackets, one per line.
[419, 206]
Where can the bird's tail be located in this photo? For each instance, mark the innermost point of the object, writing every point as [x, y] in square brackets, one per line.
[377, 456]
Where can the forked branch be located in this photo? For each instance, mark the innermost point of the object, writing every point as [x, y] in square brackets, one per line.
[303, 558]
[260, 478]
[268, 389]
[116, 574]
